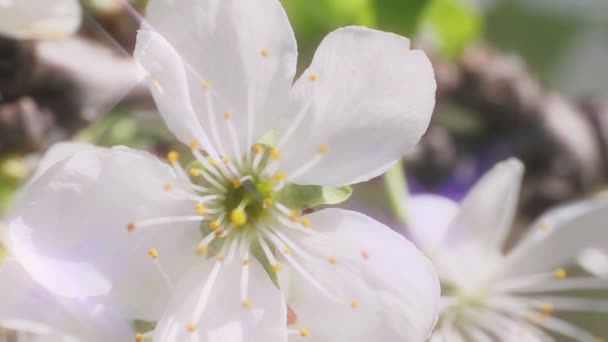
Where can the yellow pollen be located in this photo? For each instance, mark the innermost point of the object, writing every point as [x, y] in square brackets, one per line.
[168, 186]
[246, 303]
[264, 53]
[280, 175]
[277, 266]
[257, 148]
[153, 253]
[131, 227]
[354, 304]
[546, 308]
[213, 225]
[267, 202]
[313, 77]
[237, 183]
[206, 84]
[172, 156]
[560, 273]
[365, 255]
[305, 222]
[157, 85]
[323, 148]
[304, 332]
[332, 260]
[191, 327]
[245, 262]
[227, 115]
[543, 225]
[220, 258]
[194, 172]
[218, 233]
[193, 144]
[212, 161]
[202, 249]
[238, 217]
[287, 250]
[200, 208]
[274, 154]
[226, 159]
[139, 337]
[294, 215]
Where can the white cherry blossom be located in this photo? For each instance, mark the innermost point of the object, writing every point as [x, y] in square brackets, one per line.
[217, 235]
[494, 289]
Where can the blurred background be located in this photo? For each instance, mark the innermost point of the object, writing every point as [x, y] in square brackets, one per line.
[525, 78]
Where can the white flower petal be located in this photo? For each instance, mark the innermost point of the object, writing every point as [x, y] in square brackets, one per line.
[207, 307]
[367, 98]
[35, 19]
[384, 288]
[486, 215]
[560, 237]
[26, 306]
[70, 229]
[245, 50]
[57, 153]
[429, 217]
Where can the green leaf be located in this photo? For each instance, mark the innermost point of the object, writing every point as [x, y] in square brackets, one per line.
[396, 188]
[309, 196]
[451, 25]
[399, 15]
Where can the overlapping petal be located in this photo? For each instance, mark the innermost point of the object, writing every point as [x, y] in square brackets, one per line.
[429, 218]
[239, 59]
[207, 306]
[27, 307]
[70, 229]
[375, 285]
[367, 97]
[34, 19]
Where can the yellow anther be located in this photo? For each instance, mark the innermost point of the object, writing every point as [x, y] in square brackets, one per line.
[219, 233]
[246, 303]
[193, 144]
[287, 250]
[172, 156]
[267, 202]
[220, 258]
[365, 254]
[212, 161]
[257, 148]
[277, 266]
[168, 186]
[139, 337]
[153, 253]
[332, 260]
[323, 148]
[294, 215]
[274, 153]
[543, 225]
[157, 85]
[238, 217]
[246, 262]
[313, 77]
[237, 183]
[194, 172]
[560, 273]
[226, 159]
[305, 222]
[200, 208]
[227, 115]
[213, 225]
[304, 332]
[354, 304]
[202, 249]
[264, 53]
[131, 227]
[280, 176]
[191, 327]
[546, 308]
[206, 84]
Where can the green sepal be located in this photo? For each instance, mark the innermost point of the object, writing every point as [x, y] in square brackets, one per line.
[144, 326]
[258, 254]
[309, 196]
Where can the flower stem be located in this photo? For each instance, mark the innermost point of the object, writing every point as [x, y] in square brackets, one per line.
[397, 190]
